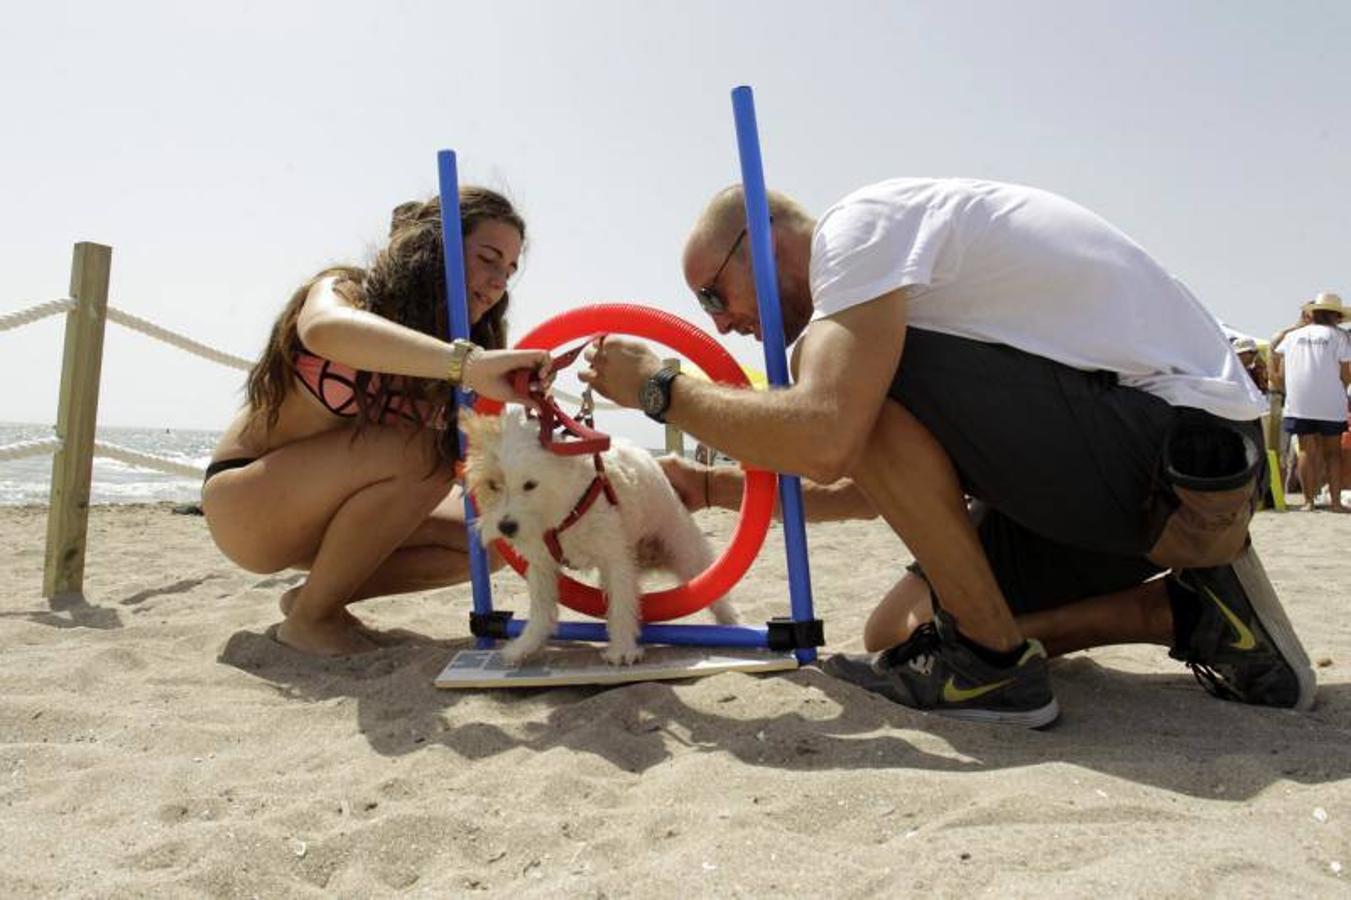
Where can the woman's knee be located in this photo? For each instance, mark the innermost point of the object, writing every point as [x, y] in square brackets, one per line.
[905, 607]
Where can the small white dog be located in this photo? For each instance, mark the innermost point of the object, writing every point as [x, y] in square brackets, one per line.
[524, 492]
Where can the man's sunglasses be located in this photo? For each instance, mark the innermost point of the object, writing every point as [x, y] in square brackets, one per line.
[709, 299]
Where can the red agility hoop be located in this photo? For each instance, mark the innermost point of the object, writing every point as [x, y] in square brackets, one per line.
[757, 501]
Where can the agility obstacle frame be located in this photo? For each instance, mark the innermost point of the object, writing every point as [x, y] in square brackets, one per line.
[799, 632]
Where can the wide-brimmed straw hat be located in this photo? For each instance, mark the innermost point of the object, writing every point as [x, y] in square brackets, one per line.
[1326, 301]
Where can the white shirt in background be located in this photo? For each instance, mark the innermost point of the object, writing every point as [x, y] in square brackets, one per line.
[1313, 372]
[1014, 265]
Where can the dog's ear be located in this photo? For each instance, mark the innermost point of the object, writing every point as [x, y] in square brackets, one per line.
[478, 428]
[513, 420]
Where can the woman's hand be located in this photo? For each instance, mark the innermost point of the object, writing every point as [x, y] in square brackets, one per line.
[488, 372]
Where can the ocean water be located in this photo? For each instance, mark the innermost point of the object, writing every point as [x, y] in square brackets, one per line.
[28, 480]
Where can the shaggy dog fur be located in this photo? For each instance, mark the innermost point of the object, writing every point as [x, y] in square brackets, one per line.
[523, 490]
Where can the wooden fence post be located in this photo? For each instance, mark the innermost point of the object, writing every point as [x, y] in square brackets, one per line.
[72, 465]
[675, 438]
[1275, 458]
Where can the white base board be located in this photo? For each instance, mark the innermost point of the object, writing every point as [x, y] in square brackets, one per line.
[558, 666]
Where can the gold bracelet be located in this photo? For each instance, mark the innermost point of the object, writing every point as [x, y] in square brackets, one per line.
[459, 354]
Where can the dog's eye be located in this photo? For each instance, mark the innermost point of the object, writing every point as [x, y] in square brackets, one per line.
[529, 486]
[493, 486]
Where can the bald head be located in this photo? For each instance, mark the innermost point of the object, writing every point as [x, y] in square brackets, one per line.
[717, 228]
[717, 264]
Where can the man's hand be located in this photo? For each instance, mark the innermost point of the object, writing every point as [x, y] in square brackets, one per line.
[690, 481]
[617, 368]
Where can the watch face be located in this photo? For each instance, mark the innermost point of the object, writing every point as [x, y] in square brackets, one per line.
[652, 397]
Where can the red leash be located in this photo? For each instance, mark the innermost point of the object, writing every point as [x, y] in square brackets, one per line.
[585, 438]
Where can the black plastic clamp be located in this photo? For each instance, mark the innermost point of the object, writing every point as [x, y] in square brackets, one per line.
[790, 634]
[490, 624]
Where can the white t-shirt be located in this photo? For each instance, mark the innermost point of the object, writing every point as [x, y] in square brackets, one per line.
[1313, 372]
[1014, 265]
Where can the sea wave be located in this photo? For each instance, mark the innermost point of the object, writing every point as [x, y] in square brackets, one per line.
[27, 481]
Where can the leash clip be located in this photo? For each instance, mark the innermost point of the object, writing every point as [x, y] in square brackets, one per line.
[585, 437]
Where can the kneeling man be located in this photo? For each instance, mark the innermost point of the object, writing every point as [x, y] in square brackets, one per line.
[1056, 428]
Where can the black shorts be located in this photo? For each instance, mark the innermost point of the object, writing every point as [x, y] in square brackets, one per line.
[1324, 427]
[1063, 465]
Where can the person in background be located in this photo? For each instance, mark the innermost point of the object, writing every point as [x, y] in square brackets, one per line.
[1312, 362]
[341, 461]
[1253, 363]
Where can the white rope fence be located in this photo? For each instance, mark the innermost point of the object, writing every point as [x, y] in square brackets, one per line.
[22, 449]
[127, 320]
[136, 323]
[33, 313]
[146, 460]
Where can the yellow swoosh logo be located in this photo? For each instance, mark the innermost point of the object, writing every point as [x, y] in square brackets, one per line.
[1245, 641]
[954, 694]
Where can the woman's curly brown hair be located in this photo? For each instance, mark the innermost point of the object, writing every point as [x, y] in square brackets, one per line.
[405, 283]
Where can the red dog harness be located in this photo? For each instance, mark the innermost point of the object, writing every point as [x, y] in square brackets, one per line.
[599, 485]
[586, 440]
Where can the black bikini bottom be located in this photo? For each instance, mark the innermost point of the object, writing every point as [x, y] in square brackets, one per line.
[224, 465]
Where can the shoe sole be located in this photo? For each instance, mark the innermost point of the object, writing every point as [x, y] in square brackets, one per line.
[841, 667]
[1031, 718]
[1267, 607]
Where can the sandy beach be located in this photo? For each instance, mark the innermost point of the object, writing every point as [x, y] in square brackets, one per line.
[154, 740]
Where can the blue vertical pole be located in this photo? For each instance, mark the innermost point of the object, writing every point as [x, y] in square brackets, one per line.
[771, 333]
[457, 305]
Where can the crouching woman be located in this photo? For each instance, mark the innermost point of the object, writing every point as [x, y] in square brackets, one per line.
[341, 461]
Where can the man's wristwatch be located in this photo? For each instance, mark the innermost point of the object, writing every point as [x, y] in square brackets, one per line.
[655, 395]
[459, 352]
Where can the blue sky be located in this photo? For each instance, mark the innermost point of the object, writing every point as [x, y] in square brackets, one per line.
[226, 151]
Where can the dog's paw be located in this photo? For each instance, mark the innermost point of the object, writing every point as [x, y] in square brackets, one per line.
[518, 651]
[622, 654]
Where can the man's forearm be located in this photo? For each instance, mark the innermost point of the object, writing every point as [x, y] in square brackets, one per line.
[781, 430]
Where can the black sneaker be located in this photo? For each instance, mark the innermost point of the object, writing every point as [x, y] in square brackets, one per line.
[1231, 631]
[933, 672]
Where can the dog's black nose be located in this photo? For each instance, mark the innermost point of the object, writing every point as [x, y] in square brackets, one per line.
[508, 527]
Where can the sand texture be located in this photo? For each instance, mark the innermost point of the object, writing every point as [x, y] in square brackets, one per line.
[154, 740]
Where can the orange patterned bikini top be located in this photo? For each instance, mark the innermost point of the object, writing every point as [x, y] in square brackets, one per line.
[334, 385]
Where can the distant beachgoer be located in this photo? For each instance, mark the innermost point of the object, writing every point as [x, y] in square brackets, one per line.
[1253, 363]
[1313, 362]
[959, 337]
[341, 461]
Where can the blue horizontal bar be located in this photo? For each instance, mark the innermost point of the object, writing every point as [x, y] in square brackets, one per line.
[680, 635]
